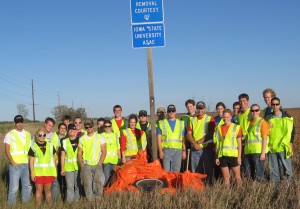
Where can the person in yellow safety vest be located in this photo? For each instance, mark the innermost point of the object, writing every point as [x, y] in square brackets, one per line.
[91, 154]
[220, 107]
[17, 143]
[145, 126]
[113, 154]
[79, 130]
[244, 116]
[118, 122]
[200, 134]
[43, 162]
[191, 114]
[227, 139]
[69, 164]
[132, 140]
[170, 140]
[52, 137]
[268, 95]
[282, 133]
[256, 145]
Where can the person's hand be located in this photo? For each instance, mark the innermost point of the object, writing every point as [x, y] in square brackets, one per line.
[33, 177]
[262, 157]
[239, 160]
[183, 155]
[197, 146]
[123, 160]
[161, 155]
[62, 172]
[217, 161]
[81, 164]
[14, 164]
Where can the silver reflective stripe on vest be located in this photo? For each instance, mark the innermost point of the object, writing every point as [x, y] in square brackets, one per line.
[164, 128]
[172, 140]
[71, 160]
[165, 131]
[130, 141]
[112, 153]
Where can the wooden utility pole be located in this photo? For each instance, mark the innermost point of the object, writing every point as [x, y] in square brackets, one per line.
[32, 92]
[152, 103]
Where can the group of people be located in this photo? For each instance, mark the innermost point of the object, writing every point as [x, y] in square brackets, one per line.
[240, 140]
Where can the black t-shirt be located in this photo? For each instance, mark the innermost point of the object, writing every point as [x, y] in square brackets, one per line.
[74, 144]
[42, 147]
[144, 127]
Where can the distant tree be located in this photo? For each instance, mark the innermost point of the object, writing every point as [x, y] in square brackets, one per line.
[60, 111]
[22, 110]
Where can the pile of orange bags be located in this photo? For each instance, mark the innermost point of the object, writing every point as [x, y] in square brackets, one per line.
[137, 169]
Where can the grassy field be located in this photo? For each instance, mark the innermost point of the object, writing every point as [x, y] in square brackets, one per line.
[249, 195]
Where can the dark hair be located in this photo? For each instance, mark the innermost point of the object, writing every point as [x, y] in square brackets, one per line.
[243, 96]
[100, 119]
[190, 101]
[275, 98]
[107, 121]
[49, 119]
[66, 117]
[62, 124]
[220, 104]
[117, 106]
[132, 116]
[236, 103]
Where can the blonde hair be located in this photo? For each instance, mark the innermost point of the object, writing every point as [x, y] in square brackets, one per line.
[269, 90]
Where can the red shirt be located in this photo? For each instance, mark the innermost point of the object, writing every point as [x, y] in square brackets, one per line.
[225, 128]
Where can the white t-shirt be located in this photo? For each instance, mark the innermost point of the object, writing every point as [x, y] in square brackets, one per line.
[21, 134]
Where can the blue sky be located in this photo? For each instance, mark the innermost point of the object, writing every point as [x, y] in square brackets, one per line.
[82, 50]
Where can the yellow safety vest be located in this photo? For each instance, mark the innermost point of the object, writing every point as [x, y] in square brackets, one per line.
[91, 148]
[228, 145]
[171, 139]
[19, 151]
[115, 127]
[200, 128]
[132, 145]
[44, 164]
[71, 162]
[54, 140]
[112, 147]
[253, 143]
[243, 120]
[138, 126]
[280, 135]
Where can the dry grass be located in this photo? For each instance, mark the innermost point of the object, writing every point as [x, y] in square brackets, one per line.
[250, 194]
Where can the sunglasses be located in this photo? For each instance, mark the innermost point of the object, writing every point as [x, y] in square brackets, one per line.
[255, 110]
[87, 127]
[171, 111]
[275, 104]
[77, 123]
[107, 126]
[42, 135]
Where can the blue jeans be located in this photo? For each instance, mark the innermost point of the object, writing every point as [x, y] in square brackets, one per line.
[15, 174]
[254, 167]
[55, 190]
[108, 170]
[277, 159]
[203, 161]
[73, 186]
[172, 159]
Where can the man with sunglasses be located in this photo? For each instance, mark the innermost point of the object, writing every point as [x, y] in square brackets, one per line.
[170, 139]
[145, 126]
[281, 138]
[200, 134]
[91, 154]
[17, 144]
[256, 145]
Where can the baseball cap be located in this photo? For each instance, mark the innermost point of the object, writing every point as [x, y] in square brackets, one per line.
[71, 126]
[161, 109]
[142, 112]
[171, 107]
[89, 122]
[18, 119]
[200, 104]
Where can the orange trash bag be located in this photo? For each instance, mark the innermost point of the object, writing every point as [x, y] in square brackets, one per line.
[138, 174]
